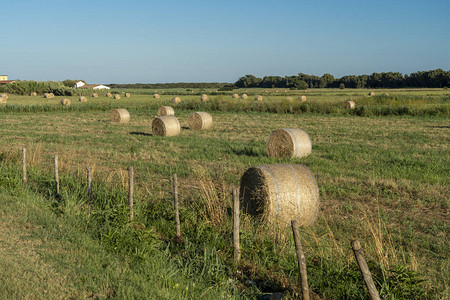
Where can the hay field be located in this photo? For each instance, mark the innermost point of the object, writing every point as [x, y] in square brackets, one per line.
[382, 179]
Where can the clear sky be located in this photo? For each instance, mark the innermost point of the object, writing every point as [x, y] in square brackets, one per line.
[132, 41]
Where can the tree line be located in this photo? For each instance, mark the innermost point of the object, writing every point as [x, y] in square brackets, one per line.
[422, 79]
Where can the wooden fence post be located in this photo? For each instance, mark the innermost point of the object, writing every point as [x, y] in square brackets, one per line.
[89, 185]
[24, 165]
[175, 201]
[356, 246]
[236, 221]
[130, 191]
[301, 261]
[56, 175]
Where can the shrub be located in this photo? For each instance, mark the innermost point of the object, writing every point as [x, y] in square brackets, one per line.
[342, 86]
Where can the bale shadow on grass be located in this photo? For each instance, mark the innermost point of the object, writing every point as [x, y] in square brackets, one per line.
[140, 133]
[247, 151]
[437, 126]
[185, 127]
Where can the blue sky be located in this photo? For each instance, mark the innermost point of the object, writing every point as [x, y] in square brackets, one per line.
[206, 41]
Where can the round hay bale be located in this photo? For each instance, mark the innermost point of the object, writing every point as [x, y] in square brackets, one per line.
[109, 95]
[386, 94]
[302, 98]
[289, 99]
[204, 97]
[82, 99]
[288, 142]
[349, 104]
[128, 95]
[94, 95]
[65, 102]
[33, 94]
[176, 100]
[165, 111]
[200, 120]
[49, 95]
[117, 96]
[166, 126]
[156, 96]
[371, 94]
[235, 96]
[259, 98]
[266, 91]
[119, 115]
[3, 98]
[280, 193]
[244, 96]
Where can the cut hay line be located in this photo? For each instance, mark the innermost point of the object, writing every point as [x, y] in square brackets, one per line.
[65, 102]
[280, 193]
[82, 99]
[302, 98]
[120, 115]
[156, 96]
[288, 142]
[244, 96]
[259, 98]
[166, 126]
[200, 120]
[176, 100]
[94, 95]
[165, 111]
[204, 97]
[117, 96]
[235, 96]
[349, 104]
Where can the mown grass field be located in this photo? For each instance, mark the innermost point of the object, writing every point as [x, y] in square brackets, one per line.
[383, 179]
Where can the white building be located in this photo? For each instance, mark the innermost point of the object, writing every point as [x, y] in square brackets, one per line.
[82, 85]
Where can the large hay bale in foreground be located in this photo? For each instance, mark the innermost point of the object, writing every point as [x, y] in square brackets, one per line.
[82, 99]
[258, 98]
[176, 100]
[165, 111]
[33, 94]
[288, 142]
[109, 95]
[349, 104]
[120, 115]
[166, 126]
[280, 193]
[156, 96]
[235, 96]
[371, 94]
[117, 96]
[302, 98]
[94, 95]
[65, 102]
[244, 96]
[200, 120]
[204, 97]
[128, 95]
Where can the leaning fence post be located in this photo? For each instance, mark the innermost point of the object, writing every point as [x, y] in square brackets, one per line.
[56, 175]
[356, 246]
[89, 184]
[175, 202]
[236, 247]
[301, 261]
[130, 191]
[24, 164]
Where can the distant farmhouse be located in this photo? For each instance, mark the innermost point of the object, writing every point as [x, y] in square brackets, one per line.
[82, 85]
[4, 79]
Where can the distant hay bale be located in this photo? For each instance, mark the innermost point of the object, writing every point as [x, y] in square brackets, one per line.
[119, 115]
[350, 104]
[49, 95]
[266, 91]
[386, 94]
[117, 96]
[277, 194]
[200, 120]
[176, 100]
[82, 99]
[244, 96]
[235, 96]
[289, 99]
[166, 126]
[3, 98]
[204, 97]
[288, 142]
[94, 95]
[65, 102]
[259, 98]
[109, 95]
[156, 96]
[302, 98]
[165, 111]
[371, 94]
[128, 95]
[33, 94]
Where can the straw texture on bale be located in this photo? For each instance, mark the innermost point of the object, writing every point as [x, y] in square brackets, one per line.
[204, 97]
[350, 104]
[120, 115]
[33, 94]
[109, 95]
[200, 120]
[116, 96]
[128, 95]
[371, 94]
[165, 111]
[166, 126]
[259, 98]
[65, 102]
[94, 95]
[82, 99]
[302, 98]
[176, 100]
[156, 96]
[280, 193]
[244, 96]
[288, 142]
[234, 96]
